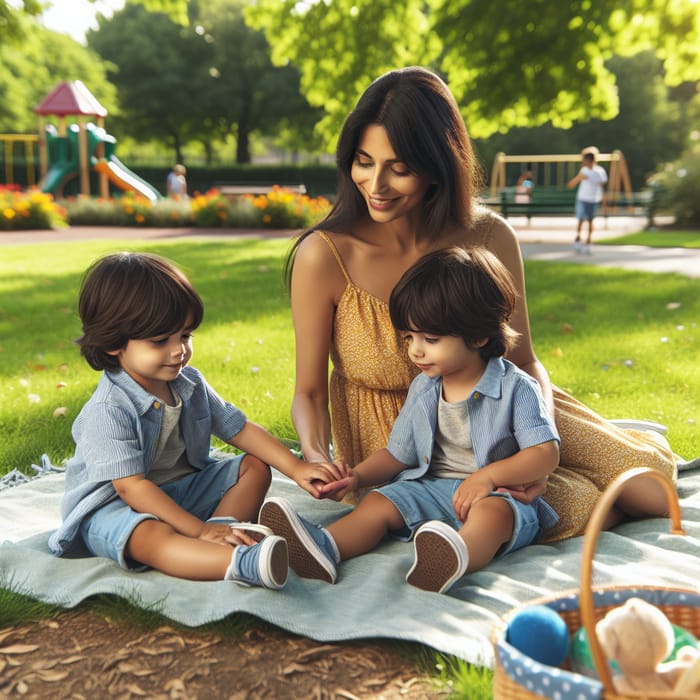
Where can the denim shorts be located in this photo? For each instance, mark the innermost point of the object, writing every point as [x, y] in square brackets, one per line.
[430, 498]
[586, 211]
[107, 531]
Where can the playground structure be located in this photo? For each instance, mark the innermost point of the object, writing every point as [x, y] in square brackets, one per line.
[75, 158]
[552, 172]
[29, 141]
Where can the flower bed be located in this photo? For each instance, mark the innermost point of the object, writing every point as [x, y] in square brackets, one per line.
[280, 208]
[30, 209]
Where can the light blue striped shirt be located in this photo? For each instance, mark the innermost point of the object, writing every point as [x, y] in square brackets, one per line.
[507, 413]
[116, 435]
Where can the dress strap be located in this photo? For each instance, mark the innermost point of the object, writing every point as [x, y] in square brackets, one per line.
[335, 252]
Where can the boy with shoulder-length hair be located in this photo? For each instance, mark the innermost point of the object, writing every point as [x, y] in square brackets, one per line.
[470, 449]
[144, 487]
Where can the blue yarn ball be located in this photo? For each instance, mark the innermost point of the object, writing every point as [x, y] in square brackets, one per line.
[540, 633]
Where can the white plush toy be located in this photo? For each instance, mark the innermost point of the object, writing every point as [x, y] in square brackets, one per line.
[638, 636]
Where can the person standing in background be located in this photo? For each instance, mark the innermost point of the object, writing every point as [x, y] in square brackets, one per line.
[177, 183]
[591, 180]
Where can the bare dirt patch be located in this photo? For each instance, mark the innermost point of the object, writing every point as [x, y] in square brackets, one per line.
[82, 654]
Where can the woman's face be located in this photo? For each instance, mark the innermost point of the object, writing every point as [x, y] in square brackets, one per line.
[389, 188]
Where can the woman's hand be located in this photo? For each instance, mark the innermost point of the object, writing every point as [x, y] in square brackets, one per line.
[526, 493]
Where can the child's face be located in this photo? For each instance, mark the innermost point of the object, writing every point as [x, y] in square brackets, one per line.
[443, 356]
[153, 362]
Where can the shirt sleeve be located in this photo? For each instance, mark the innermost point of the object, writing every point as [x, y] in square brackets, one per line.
[110, 442]
[532, 422]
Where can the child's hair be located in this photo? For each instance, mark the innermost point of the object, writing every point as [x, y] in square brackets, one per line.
[127, 296]
[468, 294]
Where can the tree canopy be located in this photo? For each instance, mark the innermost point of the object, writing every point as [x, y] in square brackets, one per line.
[508, 63]
[46, 59]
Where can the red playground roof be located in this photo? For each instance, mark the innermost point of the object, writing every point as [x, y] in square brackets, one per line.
[71, 98]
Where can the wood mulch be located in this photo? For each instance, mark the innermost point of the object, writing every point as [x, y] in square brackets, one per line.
[85, 654]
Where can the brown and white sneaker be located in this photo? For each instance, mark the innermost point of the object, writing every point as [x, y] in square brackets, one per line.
[441, 557]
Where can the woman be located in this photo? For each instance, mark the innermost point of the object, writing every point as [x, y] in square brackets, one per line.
[408, 183]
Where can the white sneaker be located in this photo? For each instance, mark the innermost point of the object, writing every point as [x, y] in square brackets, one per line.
[441, 557]
[578, 247]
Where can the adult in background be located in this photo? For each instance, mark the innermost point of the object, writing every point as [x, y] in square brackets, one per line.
[591, 179]
[408, 185]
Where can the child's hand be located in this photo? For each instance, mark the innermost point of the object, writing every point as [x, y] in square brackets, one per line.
[221, 533]
[474, 488]
[337, 490]
[313, 477]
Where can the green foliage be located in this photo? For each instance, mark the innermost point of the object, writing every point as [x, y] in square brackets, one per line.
[680, 183]
[208, 81]
[509, 63]
[29, 75]
[652, 126]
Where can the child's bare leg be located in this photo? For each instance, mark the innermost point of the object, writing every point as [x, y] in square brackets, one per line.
[243, 500]
[361, 530]
[157, 545]
[489, 525]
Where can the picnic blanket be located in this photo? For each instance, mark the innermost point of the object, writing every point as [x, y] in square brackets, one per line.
[371, 598]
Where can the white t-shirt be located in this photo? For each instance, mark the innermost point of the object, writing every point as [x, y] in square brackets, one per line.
[590, 189]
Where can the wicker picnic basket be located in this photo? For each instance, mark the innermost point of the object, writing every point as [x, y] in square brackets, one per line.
[518, 677]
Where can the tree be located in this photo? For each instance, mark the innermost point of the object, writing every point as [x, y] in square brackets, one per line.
[508, 63]
[46, 59]
[651, 128]
[248, 93]
[160, 70]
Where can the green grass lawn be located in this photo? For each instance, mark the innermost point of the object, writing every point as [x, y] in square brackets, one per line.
[626, 343]
[657, 239]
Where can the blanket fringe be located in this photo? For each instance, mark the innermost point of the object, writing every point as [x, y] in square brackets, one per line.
[16, 477]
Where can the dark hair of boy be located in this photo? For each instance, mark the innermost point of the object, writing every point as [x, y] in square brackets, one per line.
[468, 294]
[127, 296]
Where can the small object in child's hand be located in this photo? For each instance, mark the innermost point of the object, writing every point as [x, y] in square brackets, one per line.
[334, 486]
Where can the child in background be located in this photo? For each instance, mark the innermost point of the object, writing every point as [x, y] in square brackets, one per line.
[144, 487]
[591, 179]
[469, 443]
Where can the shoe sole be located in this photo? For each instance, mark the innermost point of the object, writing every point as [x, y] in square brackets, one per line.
[306, 558]
[437, 564]
[273, 562]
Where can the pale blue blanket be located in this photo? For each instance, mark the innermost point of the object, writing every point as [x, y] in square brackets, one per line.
[371, 598]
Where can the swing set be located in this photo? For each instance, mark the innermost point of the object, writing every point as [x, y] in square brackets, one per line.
[551, 173]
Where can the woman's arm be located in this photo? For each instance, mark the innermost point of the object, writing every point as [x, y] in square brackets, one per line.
[317, 284]
[504, 244]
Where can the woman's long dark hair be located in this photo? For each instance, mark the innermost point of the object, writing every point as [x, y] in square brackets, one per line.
[427, 132]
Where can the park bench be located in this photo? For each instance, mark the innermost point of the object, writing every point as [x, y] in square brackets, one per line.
[236, 189]
[561, 202]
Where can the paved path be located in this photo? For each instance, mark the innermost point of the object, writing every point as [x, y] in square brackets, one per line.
[552, 238]
[544, 238]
